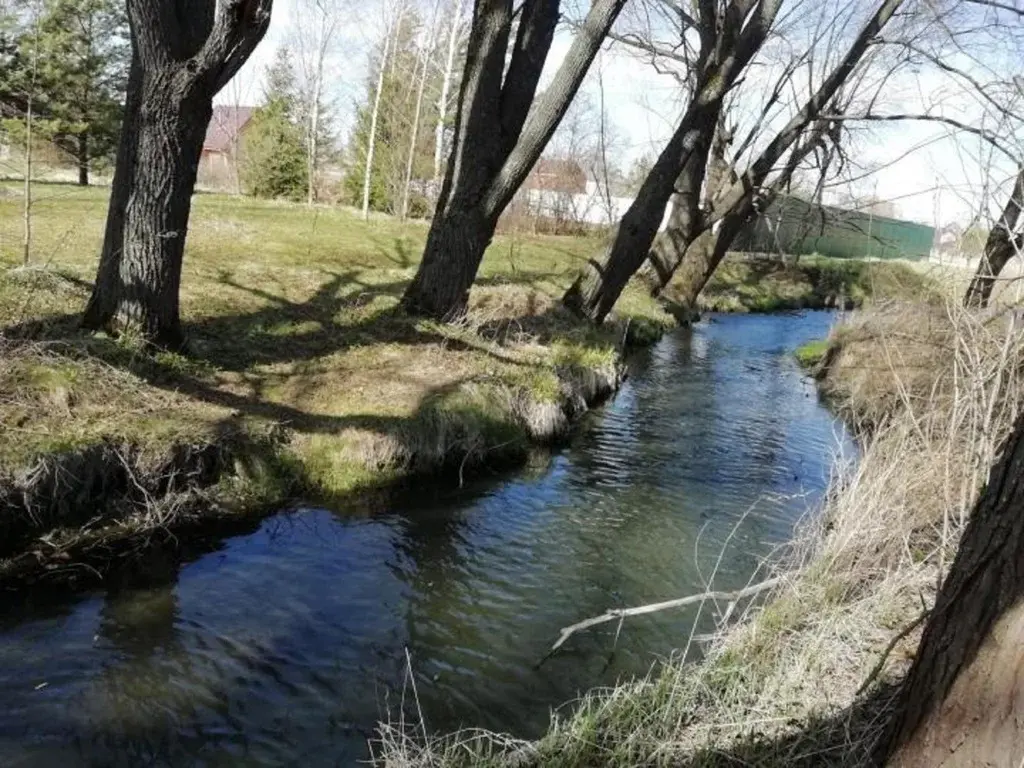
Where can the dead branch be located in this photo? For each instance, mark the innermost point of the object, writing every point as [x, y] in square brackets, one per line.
[622, 613]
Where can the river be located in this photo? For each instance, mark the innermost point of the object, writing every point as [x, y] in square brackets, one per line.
[287, 645]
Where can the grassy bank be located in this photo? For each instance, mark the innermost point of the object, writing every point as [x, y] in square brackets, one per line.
[304, 376]
[806, 677]
[763, 284]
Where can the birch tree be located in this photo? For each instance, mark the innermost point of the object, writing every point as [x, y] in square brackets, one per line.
[426, 51]
[456, 37]
[316, 27]
[393, 28]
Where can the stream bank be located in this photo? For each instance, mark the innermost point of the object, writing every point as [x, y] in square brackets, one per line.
[808, 678]
[289, 643]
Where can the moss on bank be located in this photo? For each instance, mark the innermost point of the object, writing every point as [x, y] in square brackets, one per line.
[810, 355]
[761, 284]
[304, 375]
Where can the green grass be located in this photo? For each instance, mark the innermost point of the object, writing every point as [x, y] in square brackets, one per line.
[812, 353]
[813, 282]
[294, 323]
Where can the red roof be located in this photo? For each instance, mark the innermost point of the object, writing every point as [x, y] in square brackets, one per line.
[225, 127]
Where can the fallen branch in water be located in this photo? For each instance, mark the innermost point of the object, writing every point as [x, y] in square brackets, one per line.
[622, 613]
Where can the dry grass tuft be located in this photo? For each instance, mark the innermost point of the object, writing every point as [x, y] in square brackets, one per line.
[807, 678]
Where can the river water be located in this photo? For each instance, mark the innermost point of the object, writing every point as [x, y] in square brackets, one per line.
[289, 644]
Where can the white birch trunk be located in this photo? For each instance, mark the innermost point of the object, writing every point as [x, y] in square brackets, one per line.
[371, 143]
[428, 46]
[446, 90]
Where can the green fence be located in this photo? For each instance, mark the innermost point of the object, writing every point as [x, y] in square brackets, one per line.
[794, 226]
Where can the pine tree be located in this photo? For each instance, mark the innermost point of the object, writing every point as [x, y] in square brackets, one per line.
[275, 153]
[73, 58]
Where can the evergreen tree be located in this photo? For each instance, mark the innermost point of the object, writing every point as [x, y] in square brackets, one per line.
[275, 153]
[70, 59]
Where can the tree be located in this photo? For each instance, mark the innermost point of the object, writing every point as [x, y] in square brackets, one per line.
[1005, 240]
[316, 26]
[730, 35]
[275, 159]
[960, 703]
[183, 53]
[456, 33]
[696, 209]
[84, 66]
[501, 128]
[381, 127]
[75, 55]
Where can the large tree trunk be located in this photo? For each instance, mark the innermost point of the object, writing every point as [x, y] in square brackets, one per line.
[1004, 242]
[459, 239]
[103, 301]
[169, 136]
[962, 704]
[180, 60]
[500, 133]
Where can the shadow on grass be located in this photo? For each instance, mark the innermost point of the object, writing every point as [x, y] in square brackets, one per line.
[343, 312]
[845, 739]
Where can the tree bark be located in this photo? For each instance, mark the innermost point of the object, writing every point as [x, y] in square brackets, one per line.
[727, 46]
[669, 247]
[181, 57]
[501, 130]
[1004, 242]
[103, 301]
[962, 702]
[82, 146]
[595, 292]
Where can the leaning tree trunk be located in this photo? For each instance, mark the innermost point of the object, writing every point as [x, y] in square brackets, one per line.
[963, 701]
[727, 46]
[501, 130]
[181, 57]
[595, 291]
[703, 257]
[1004, 242]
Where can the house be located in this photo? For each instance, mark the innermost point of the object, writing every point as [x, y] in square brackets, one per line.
[553, 174]
[219, 162]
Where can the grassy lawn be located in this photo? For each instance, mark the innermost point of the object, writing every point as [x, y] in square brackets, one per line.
[295, 331]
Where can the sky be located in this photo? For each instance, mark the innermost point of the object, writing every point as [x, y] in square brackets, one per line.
[931, 175]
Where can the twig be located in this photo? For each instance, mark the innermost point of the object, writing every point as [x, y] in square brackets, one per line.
[622, 613]
[888, 649]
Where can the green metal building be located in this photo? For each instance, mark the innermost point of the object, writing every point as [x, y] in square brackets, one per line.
[796, 227]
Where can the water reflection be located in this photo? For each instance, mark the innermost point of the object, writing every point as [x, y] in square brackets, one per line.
[287, 645]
